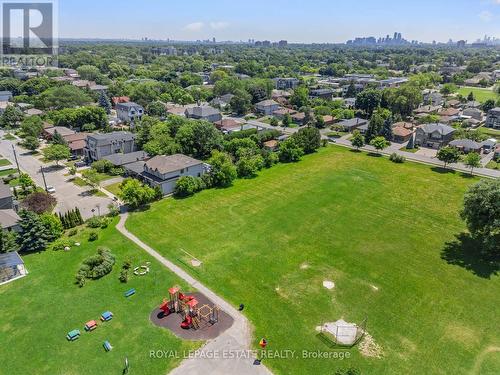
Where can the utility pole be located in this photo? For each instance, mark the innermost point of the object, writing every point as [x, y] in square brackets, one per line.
[15, 157]
[43, 175]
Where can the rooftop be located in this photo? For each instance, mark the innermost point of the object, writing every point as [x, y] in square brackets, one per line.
[171, 163]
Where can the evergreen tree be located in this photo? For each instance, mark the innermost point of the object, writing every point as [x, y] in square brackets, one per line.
[57, 139]
[386, 131]
[33, 235]
[104, 102]
[80, 219]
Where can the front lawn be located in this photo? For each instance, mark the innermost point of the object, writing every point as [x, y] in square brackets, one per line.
[384, 233]
[38, 311]
[4, 162]
[113, 188]
[480, 94]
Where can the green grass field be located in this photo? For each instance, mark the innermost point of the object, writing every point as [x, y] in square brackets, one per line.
[113, 188]
[381, 231]
[4, 162]
[37, 311]
[480, 94]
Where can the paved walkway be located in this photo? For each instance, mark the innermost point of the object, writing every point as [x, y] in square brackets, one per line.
[235, 340]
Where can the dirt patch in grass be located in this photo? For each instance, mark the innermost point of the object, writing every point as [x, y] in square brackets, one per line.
[369, 348]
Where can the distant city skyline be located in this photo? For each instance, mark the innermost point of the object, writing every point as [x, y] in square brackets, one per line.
[315, 21]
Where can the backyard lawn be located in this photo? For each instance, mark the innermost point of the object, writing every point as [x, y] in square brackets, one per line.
[113, 188]
[384, 233]
[4, 162]
[480, 94]
[38, 310]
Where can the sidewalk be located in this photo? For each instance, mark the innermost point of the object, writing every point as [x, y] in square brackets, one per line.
[236, 339]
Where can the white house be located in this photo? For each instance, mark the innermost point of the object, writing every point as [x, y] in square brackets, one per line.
[164, 171]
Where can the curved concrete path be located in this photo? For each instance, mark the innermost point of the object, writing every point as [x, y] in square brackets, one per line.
[235, 342]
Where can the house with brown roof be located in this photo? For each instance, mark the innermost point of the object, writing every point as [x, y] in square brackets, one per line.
[271, 145]
[76, 143]
[163, 171]
[400, 134]
[119, 99]
[281, 112]
[449, 112]
[328, 120]
[228, 125]
[299, 118]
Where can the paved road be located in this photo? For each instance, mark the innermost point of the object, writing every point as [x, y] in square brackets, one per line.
[236, 339]
[68, 194]
[483, 172]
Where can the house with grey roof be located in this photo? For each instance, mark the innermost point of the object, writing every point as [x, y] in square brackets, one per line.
[474, 113]
[206, 113]
[352, 124]
[120, 159]
[493, 119]
[9, 219]
[129, 111]
[267, 107]
[466, 145]
[99, 145]
[163, 171]
[286, 83]
[5, 96]
[222, 101]
[433, 135]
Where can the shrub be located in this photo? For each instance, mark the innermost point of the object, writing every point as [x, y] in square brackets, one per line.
[97, 222]
[113, 210]
[72, 232]
[102, 166]
[62, 243]
[95, 266]
[93, 236]
[123, 275]
[118, 171]
[187, 186]
[397, 158]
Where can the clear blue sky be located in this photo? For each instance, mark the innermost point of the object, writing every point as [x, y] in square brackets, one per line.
[294, 20]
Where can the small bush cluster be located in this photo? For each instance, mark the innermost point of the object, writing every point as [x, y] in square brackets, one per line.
[124, 272]
[97, 222]
[95, 266]
[397, 158]
[71, 219]
[187, 186]
[61, 244]
[93, 236]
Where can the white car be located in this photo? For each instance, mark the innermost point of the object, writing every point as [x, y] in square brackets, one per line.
[51, 189]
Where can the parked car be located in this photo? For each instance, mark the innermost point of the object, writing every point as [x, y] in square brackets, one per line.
[51, 189]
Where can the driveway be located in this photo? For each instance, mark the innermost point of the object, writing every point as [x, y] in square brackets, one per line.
[428, 152]
[68, 195]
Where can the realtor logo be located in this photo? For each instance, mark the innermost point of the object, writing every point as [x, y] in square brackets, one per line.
[28, 29]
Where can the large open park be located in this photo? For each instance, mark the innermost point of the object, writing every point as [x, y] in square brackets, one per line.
[388, 236]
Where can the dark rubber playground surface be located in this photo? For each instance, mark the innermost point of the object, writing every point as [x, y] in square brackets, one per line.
[206, 331]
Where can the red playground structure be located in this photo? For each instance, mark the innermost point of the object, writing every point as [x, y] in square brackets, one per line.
[187, 306]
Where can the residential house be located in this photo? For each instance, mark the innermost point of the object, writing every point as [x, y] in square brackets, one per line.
[350, 102]
[266, 107]
[76, 143]
[322, 94]
[129, 111]
[222, 102]
[119, 99]
[3, 106]
[281, 112]
[352, 124]
[392, 82]
[432, 97]
[9, 219]
[206, 113]
[328, 120]
[5, 96]
[493, 118]
[164, 171]
[299, 118]
[426, 110]
[99, 145]
[286, 83]
[120, 160]
[466, 145]
[496, 75]
[49, 131]
[449, 112]
[33, 112]
[271, 145]
[434, 135]
[277, 94]
[228, 125]
[474, 113]
[496, 156]
[473, 104]
[453, 103]
[401, 134]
